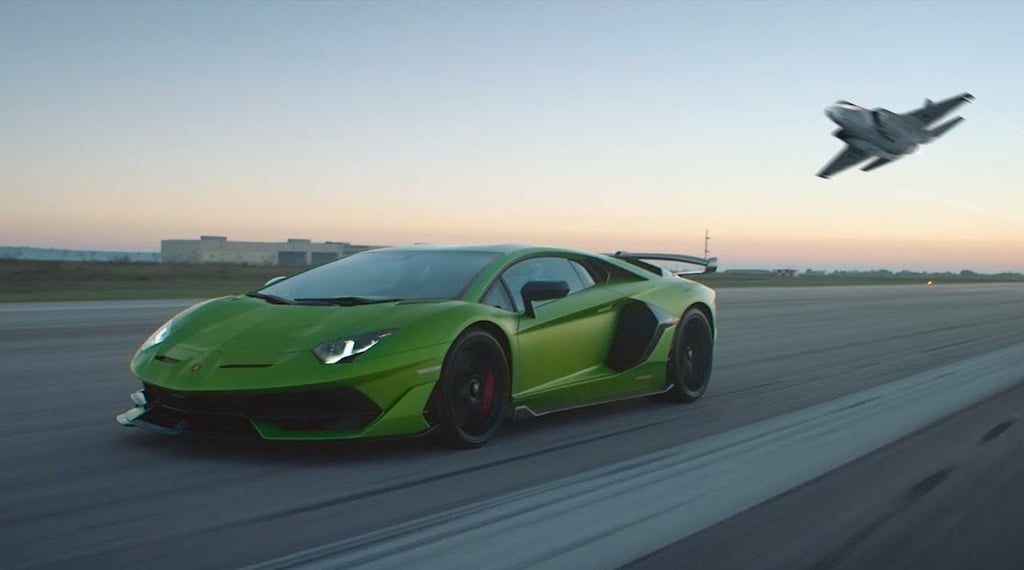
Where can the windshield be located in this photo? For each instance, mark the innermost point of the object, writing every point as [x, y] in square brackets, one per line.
[385, 275]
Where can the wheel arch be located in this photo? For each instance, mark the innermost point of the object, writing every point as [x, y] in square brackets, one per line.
[708, 314]
[500, 335]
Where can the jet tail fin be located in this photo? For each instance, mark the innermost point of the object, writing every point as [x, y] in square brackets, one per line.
[944, 127]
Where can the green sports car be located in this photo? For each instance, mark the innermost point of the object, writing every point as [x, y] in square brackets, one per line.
[425, 339]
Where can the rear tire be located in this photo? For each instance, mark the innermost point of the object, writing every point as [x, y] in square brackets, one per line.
[473, 391]
[689, 364]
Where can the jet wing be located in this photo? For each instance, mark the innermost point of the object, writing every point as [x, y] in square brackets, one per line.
[846, 158]
[875, 164]
[932, 112]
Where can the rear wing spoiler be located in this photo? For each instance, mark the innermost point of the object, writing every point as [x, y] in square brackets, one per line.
[709, 265]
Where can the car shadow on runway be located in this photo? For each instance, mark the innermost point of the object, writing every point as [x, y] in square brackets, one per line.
[521, 437]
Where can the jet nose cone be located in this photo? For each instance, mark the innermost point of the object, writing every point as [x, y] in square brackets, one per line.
[835, 113]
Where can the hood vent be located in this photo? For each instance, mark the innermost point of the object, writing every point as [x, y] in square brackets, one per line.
[167, 359]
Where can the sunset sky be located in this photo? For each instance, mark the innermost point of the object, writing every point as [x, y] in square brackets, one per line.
[596, 125]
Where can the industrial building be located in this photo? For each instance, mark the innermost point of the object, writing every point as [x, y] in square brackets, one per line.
[295, 252]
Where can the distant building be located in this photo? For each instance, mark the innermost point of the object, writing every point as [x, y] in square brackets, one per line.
[296, 252]
[763, 272]
[785, 272]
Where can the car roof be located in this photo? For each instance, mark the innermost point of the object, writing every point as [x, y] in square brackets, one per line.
[509, 253]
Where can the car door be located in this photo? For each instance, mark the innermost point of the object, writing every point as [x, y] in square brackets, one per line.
[565, 343]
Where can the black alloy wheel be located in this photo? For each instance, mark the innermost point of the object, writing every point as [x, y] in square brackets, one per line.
[689, 365]
[473, 391]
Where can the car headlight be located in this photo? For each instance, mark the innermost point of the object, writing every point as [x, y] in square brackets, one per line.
[158, 336]
[337, 350]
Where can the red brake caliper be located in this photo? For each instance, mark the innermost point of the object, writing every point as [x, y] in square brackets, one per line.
[485, 406]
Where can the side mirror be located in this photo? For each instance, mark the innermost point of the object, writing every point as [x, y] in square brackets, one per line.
[542, 291]
[273, 280]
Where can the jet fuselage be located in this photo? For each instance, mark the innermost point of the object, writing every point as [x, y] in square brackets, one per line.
[879, 132]
[881, 136]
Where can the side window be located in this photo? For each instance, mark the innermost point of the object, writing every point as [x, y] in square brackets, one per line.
[585, 276]
[544, 269]
[497, 297]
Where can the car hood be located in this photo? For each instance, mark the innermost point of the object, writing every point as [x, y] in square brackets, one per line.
[244, 325]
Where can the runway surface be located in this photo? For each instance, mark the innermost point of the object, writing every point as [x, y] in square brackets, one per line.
[77, 490]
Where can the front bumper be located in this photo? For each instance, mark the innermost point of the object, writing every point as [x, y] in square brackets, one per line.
[315, 414]
[186, 391]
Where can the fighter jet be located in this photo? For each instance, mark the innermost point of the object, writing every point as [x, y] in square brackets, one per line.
[883, 135]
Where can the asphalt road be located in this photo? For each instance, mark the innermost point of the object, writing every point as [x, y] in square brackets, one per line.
[77, 490]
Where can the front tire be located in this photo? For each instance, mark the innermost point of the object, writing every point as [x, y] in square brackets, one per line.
[473, 391]
[689, 365]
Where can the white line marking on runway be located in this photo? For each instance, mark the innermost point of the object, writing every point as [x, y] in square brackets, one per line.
[607, 517]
